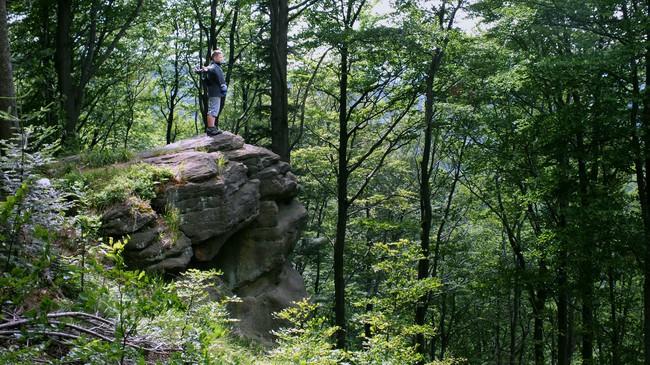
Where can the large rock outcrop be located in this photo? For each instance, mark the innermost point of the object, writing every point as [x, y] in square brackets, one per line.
[231, 206]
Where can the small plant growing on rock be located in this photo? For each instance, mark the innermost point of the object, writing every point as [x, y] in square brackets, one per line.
[172, 219]
[221, 161]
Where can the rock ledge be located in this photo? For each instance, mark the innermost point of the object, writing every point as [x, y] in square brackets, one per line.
[232, 206]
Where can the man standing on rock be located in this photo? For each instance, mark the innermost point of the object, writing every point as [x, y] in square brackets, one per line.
[215, 82]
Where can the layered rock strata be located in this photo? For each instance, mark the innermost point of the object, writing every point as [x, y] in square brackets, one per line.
[231, 206]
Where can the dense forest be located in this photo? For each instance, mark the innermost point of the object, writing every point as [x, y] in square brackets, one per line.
[476, 175]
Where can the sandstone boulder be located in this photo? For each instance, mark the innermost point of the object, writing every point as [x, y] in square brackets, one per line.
[231, 206]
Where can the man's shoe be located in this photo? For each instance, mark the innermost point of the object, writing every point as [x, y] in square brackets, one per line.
[212, 131]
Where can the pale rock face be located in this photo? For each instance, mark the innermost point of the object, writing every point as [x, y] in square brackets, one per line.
[236, 210]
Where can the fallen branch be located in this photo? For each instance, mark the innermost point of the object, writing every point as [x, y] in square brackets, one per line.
[102, 329]
[39, 332]
[86, 316]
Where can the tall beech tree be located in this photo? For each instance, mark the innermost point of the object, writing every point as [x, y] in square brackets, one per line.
[76, 67]
[442, 16]
[279, 11]
[281, 14]
[359, 107]
[173, 75]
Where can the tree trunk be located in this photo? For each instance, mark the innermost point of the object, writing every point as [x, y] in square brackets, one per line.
[586, 271]
[538, 295]
[321, 216]
[497, 343]
[425, 181]
[203, 92]
[538, 331]
[642, 181]
[425, 205]
[63, 65]
[645, 121]
[615, 333]
[7, 90]
[371, 281]
[45, 42]
[514, 322]
[72, 89]
[562, 282]
[231, 42]
[562, 310]
[170, 124]
[231, 56]
[212, 35]
[279, 94]
[173, 97]
[443, 328]
[342, 199]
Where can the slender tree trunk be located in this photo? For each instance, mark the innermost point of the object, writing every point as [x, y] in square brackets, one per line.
[642, 182]
[231, 41]
[212, 35]
[573, 334]
[538, 295]
[443, 327]
[425, 204]
[203, 95]
[170, 124]
[342, 199]
[45, 41]
[538, 330]
[173, 96]
[497, 343]
[319, 223]
[371, 286]
[615, 333]
[7, 90]
[562, 310]
[514, 322]
[279, 94]
[562, 282]
[317, 280]
[129, 123]
[645, 119]
[231, 52]
[586, 270]
[425, 180]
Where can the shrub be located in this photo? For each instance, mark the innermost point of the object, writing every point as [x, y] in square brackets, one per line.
[307, 339]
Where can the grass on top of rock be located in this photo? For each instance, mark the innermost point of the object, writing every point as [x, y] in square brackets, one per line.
[104, 157]
[107, 186]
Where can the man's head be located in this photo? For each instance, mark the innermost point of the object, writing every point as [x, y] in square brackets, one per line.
[217, 55]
